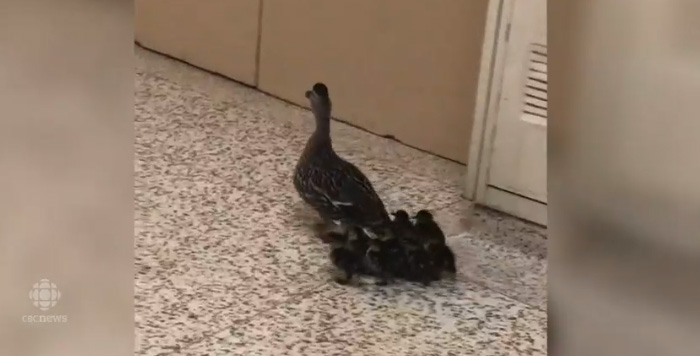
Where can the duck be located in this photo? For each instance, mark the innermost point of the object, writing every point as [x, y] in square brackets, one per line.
[441, 255]
[336, 189]
[425, 225]
[349, 262]
[417, 264]
[402, 220]
[385, 260]
[348, 254]
[403, 226]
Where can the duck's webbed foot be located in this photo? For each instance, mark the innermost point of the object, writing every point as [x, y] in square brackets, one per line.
[384, 279]
[345, 279]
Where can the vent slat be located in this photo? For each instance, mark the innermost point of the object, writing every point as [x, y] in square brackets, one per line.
[538, 67]
[538, 76]
[535, 111]
[539, 59]
[539, 48]
[535, 102]
[536, 85]
[536, 93]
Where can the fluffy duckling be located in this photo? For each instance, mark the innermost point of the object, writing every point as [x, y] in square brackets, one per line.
[435, 243]
[386, 260]
[402, 226]
[347, 261]
[401, 256]
[402, 219]
[418, 267]
[334, 187]
[442, 257]
[426, 227]
[348, 253]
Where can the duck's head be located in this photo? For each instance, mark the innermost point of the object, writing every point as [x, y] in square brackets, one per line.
[319, 100]
[400, 215]
[423, 216]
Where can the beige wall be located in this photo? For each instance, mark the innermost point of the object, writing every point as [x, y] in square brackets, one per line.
[218, 35]
[407, 68]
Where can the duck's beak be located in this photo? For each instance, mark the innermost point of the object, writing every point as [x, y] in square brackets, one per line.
[309, 94]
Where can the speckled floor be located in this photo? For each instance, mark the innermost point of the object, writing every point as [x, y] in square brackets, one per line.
[227, 263]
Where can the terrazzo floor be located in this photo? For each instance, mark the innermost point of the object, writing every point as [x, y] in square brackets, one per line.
[227, 263]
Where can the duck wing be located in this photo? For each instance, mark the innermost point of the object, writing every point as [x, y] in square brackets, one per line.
[349, 195]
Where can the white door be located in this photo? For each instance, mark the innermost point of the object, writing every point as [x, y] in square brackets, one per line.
[518, 162]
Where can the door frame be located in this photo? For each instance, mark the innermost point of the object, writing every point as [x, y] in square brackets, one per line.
[488, 96]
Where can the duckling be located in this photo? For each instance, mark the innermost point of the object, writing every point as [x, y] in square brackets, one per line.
[403, 228]
[435, 243]
[348, 254]
[418, 267]
[442, 257]
[385, 260]
[426, 227]
[334, 187]
[401, 218]
[347, 261]
[389, 260]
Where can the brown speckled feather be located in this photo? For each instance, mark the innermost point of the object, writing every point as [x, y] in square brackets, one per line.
[337, 189]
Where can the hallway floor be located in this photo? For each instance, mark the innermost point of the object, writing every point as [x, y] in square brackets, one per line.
[227, 263]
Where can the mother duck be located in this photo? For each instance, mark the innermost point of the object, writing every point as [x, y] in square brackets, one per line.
[334, 187]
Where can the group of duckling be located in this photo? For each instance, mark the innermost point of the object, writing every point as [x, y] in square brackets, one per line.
[416, 251]
[364, 238]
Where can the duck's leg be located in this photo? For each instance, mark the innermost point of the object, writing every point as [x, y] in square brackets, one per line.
[328, 226]
[334, 238]
[384, 279]
[345, 279]
[449, 259]
[370, 233]
[339, 226]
